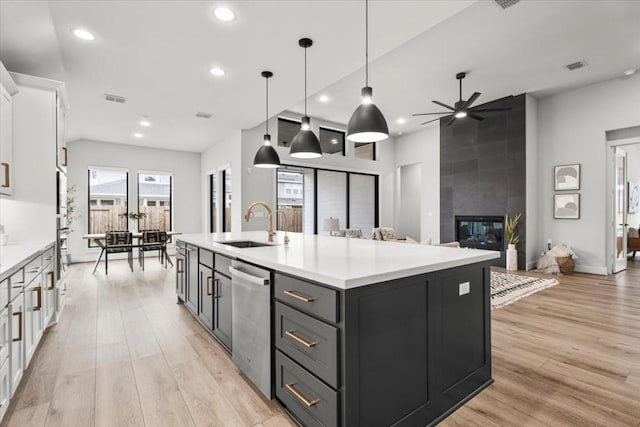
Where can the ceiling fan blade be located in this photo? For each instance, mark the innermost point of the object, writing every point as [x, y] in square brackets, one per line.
[475, 116]
[471, 100]
[428, 114]
[430, 121]
[489, 110]
[453, 119]
[444, 105]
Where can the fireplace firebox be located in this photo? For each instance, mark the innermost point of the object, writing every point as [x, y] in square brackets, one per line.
[481, 232]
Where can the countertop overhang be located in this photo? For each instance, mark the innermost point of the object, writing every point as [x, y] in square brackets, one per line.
[340, 262]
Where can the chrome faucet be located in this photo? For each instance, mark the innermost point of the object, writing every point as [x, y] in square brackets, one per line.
[247, 217]
[284, 217]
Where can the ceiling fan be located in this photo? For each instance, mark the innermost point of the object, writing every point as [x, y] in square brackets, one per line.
[461, 108]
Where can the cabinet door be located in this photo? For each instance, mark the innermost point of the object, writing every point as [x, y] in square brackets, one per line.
[181, 265]
[6, 142]
[192, 279]
[33, 319]
[205, 312]
[16, 355]
[5, 386]
[222, 310]
[48, 296]
[5, 334]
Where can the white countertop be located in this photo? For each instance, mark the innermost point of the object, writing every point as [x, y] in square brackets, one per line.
[340, 262]
[14, 253]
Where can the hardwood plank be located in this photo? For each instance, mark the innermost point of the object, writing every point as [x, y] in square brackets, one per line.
[73, 401]
[33, 416]
[160, 398]
[112, 354]
[117, 402]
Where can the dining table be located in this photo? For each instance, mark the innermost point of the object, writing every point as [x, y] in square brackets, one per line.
[100, 240]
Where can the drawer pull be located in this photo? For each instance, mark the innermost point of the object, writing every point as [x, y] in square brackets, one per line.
[7, 175]
[180, 264]
[52, 282]
[216, 293]
[299, 395]
[19, 314]
[299, 297]
[293, 336]
[209, 290]
[38, 306]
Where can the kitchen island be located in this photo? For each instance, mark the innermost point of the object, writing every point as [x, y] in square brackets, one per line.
[363, 332]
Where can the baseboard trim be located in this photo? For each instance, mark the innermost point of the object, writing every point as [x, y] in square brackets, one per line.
[591, 269]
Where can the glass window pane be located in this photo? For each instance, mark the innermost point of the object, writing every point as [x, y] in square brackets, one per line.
[309, 201]
[214, 203]
[332, 141]
[291, 184]
[364, 150]
[332, 199]
[362, 199]
[154, 201]
[107, 201]
[287, 129]
[226, 180]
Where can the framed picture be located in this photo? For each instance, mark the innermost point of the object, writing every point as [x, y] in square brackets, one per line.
[566, 177]
[566, 206]
[634, 197]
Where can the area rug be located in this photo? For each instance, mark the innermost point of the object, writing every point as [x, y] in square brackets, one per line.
[507, 288]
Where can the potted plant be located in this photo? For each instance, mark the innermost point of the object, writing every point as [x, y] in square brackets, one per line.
[134, 217]
[512, 241]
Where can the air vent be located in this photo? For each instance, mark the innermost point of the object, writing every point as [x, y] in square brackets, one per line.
[577, 65]
[203, 115]
[505, 3]
[115, 98]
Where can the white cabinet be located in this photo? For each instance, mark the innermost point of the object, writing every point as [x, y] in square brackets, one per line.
[33, 318]
[5, 334]
[5, 387]
[49, 294]
[61, 144]
[17, 359]
[7, 90]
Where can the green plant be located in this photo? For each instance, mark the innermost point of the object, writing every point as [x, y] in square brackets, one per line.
[134, 215]
[71, 205]
[510, 228]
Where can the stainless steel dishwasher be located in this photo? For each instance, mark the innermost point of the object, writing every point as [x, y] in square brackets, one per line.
[251, 326]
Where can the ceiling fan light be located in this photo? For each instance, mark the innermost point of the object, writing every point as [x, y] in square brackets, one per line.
[266, 157]
[460, 114]
[367, 124]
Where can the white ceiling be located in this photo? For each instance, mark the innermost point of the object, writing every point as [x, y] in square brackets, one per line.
[157, 54]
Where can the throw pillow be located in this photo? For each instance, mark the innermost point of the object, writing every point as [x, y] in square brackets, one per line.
[388, 233]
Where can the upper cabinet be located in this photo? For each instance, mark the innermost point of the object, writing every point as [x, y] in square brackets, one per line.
[61, 143]
[7, 88]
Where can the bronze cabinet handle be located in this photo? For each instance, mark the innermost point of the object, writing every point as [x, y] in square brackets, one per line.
[7, 175]
[299, 395]
[52, 282]
[19, 314]
[209, 290]
[293, 336]
[64, 153]
[217, 288]
[298, 296]
[180, 263]
[38, 306]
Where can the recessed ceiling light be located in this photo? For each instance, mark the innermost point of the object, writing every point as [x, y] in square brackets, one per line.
[323, 98]
[399, 133]
[217, 71]
[630, 72]
[138, 135]
[224, 14]
[401, 121]
[83, 34]
[145, 122]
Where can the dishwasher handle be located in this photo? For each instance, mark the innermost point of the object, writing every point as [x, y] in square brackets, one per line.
[262, 281]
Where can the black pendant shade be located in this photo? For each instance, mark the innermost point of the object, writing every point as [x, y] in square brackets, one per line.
[367, 124]
[267, 156]
[305, 145]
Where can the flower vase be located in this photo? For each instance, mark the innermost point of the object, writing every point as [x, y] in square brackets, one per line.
[512, 257]
[133, 225]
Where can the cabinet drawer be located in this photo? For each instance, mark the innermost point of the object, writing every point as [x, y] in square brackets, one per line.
[4, 293]
[47, 257]
[306, 296]
[17, 282]
[306, 397]
[206, 258]
[222, 265]
[32, 270]
[310, 342]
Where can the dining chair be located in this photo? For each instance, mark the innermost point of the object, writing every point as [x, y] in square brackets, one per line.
[118, 242]
[153, 240]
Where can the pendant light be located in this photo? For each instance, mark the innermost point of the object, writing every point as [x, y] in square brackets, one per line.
[367, 124]
[305, 145]
[267, 157]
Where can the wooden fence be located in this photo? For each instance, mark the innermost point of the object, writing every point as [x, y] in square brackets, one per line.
[106, 218]
[294, 220]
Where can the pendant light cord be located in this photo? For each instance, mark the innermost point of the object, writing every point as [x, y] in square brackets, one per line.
[366, 42]
[460, 89]
[267, 102]
[305, 81]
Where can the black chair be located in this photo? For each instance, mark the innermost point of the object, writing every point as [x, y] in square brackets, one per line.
[118, 242]
[153, 240]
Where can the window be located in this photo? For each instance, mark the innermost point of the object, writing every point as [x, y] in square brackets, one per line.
[363, 201]
[332, 141]
[226, 205]
[290, 189]
[213, 195]
[287, 129]
[364, 150]
[108, 201]
[154, 200]
[332, 198]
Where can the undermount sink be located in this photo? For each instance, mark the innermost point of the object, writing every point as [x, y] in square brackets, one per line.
[245, 244]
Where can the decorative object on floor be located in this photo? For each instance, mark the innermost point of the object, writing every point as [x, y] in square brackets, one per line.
[305, 145]
[267, 157]
[566, 177]
[566, 206]
[507, 288]
[332, 225]
[461, 108]
[512, 241]
[557, 260]
[367, 124]
[634, 197]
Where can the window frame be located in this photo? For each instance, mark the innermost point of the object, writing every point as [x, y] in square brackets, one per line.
[90, 243]
[170, 175]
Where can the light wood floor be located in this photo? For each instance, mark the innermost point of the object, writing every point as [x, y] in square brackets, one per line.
[125, 354]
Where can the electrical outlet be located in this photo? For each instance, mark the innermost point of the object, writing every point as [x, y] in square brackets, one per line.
[463, 288]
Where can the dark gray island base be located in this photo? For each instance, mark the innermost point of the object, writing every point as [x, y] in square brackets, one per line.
[406, 352]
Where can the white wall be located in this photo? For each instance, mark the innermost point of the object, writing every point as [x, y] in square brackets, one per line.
[534, 241]
[423, 147]
[184, 166]
[571, 129]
